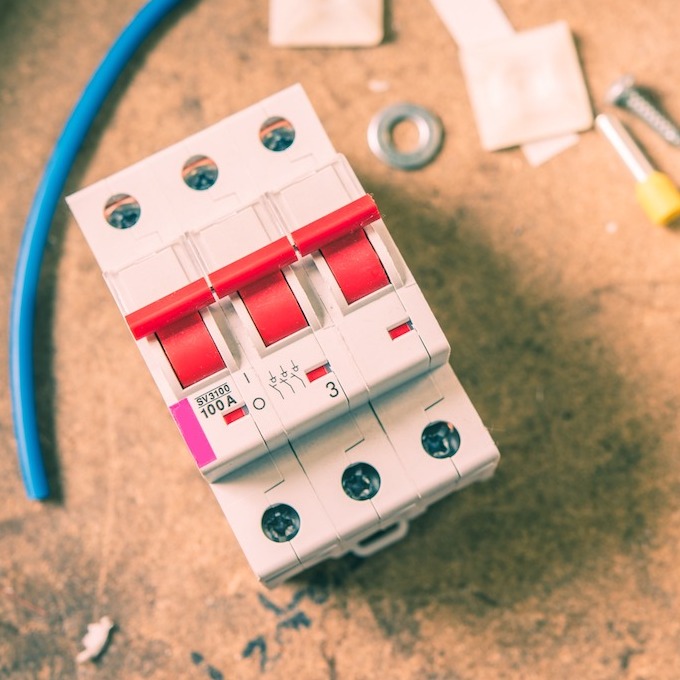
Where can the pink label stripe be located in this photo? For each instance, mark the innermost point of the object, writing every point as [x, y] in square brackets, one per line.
[193, 433]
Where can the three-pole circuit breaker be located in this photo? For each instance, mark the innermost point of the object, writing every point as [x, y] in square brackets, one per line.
[291, 344]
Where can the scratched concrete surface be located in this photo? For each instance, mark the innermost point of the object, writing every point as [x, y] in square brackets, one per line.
[560, 302]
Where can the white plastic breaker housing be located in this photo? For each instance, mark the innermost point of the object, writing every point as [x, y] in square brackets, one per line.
[296, 353]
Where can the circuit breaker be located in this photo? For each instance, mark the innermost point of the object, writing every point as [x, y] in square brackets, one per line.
[288, 338]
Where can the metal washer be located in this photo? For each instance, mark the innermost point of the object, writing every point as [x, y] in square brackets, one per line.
[381, 141]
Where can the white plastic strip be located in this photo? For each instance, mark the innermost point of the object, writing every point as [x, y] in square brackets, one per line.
[473, 23]
[538, 153]
[326, 23]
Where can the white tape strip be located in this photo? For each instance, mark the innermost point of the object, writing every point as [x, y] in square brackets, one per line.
[325, 23]
[540, 152]
[480, 21]
[471, 23]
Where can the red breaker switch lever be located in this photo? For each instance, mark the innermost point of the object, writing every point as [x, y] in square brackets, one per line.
[190, 349]
[168, 309]
[351, 217]
[273, 308]
[181, 331]
[341, 238]
[258, 279]
[249, 269]
[355, 266]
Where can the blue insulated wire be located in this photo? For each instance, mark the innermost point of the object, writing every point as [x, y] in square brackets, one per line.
[31, 250]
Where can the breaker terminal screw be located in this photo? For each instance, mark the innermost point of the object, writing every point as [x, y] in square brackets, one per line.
[200, 173]
[277, 134]
[280, 523]
[122, 211]
[361, 481]
[440, 439]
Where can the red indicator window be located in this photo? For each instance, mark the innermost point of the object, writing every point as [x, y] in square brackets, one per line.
[319, 372]
[400, 330]
[236, 414]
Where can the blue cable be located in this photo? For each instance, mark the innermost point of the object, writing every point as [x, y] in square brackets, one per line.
[27, 273]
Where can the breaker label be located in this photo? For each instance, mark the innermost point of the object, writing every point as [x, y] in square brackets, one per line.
[218, 406]
[217, 401]
[287, 380]
[230, 436]
[333, 391]
[221, 391]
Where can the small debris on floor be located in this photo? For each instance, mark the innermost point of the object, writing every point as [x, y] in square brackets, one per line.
[95, 639]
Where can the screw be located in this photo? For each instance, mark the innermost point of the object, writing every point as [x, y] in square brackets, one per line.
[200, 173]
[361, 481]
[626, 95]
[440, 439]
[280, 523]
[122, 211]
[277, 134]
